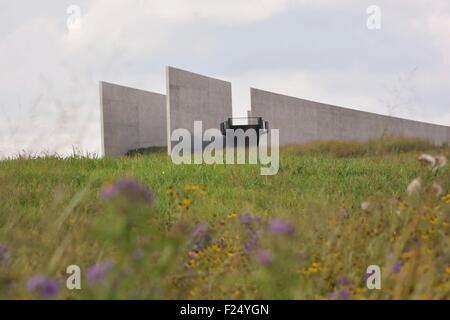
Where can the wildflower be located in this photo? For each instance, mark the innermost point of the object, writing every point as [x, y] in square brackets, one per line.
[237, 294]
[365, 206]
[343, 294]
[46, 288]
[446, 198]
[433, 219]
[427, 159]
[281, 227]
[191, 263]
[447, 270]
[222, 243]
[264, 257]
[407, 254]
[435, 163]
[109, 192]
[249, 246]
[344, 281]
[437, 189]
[194, 254]
[192, 187]
[247, 218]
[4, 254]
[397, 266]
[231, 253]
[315, 267]
[129, 187]
[414, 186]
[232, 215]
[98, 271]
[201, 236]
[441, 161]
[186, 202]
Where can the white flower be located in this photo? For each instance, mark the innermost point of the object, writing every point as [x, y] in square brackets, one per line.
[414, 186]
[365, 206]
[437, 189]
[427, 159]
[441, 161]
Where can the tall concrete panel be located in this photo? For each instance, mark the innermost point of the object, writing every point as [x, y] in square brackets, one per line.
[302, 121]
[131, 119]
[192, 97]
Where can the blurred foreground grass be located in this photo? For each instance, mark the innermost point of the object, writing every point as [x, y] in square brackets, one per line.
[226, 232]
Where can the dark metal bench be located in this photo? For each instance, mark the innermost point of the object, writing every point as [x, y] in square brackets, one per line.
[255, 123]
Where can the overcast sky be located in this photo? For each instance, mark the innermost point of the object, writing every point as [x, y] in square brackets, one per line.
[320, 50]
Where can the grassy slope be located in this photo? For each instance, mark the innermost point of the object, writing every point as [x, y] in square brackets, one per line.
[51, 216]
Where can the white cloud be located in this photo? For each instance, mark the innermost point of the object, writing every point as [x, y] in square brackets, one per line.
[439, 25]
[318, 50]
[230, 11]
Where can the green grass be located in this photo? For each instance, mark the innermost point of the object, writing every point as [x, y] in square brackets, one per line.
[51, 216]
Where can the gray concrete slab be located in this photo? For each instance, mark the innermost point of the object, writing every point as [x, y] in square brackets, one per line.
[301, 121]
[131, 119]
[192, 97]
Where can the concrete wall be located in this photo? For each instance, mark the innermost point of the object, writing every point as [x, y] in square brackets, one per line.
[193, 97]
[301, 121]
[131, 119]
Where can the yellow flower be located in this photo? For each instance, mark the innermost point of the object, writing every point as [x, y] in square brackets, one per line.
[232, 215]
[314, 268]
[186, 202]
[237, 294]
[447, 270]
[231, 253]
[408, 254]
[191, 263]
[194, 292]
[192, 187]
[446, 198]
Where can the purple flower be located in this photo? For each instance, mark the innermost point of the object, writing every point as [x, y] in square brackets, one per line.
[4, 254]
[281, 227]
[130, 188]
[109, 192]
[343, 294]
[397, 266]
[201, 236]
[344, 281]
[199, 230]
[247, 218]
[46, 288]
[98, 271]
[248, 247]
[264, 257]
[252, 241]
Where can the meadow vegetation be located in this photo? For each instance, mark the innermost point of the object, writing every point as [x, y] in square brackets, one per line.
[141, 227]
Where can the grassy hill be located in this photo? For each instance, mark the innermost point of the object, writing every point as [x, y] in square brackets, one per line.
[142, 227]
